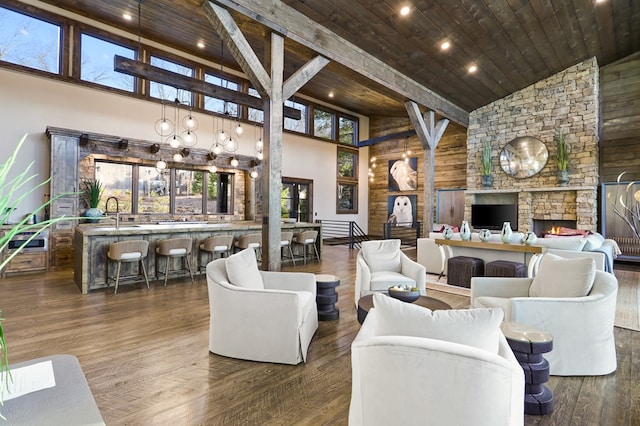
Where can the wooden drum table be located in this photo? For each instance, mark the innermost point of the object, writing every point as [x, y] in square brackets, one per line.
[528, 344]
[366, 302]
[326, 297]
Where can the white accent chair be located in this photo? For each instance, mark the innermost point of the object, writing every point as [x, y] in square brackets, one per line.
[413, 377]
[381, 264]
[260, 315]
[568, 298]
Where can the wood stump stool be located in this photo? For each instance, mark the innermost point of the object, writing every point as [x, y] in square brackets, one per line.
[326, 297]
[528, 344]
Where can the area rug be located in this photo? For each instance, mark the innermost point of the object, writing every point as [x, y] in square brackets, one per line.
[627, 311]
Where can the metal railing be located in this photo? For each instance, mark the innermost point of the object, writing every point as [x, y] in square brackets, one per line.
[340, 232]
[407, 232]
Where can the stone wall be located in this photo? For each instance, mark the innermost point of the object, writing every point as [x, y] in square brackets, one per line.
[566, 102]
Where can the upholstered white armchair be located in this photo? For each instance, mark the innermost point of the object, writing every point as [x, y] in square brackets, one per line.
[381, 264]
[568, 298]
[260, 315]
[442, 368]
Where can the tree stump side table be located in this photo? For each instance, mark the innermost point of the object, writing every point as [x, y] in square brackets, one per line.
[528, 344]
[326, 297]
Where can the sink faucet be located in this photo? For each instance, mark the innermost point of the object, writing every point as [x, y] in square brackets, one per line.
[106, 210]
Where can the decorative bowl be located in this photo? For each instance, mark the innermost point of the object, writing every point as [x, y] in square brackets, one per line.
[404, 293]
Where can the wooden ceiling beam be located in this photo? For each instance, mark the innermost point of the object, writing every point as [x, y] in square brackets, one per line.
[283, 19]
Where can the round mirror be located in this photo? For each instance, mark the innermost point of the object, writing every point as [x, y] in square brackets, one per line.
[523, 157]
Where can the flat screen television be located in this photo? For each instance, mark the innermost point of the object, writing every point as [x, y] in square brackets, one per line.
[492, 216]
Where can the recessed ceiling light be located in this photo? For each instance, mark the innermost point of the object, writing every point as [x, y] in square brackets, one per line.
[600, 1]
[331, 94]
[201, 44]
[445, 45]
[405, 10]
[127, 16]
[472, 68]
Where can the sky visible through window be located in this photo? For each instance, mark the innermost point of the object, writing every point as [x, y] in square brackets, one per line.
[97, 63]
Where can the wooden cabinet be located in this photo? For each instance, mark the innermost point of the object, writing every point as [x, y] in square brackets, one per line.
[450, 206]
[27, 262]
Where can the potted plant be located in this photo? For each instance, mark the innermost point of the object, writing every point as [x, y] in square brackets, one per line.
[562, 159]
[485, 164]
[93, 190]
[22, 186]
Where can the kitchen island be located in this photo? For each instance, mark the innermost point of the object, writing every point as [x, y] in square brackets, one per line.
[91, 243]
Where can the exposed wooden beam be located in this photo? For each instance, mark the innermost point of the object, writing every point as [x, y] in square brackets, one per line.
[303, 75]
[379, 139]
[170, 78]
[299, 28]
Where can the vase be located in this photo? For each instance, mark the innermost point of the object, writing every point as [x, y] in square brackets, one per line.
[529, 238]
[506, 233]
[93, 214]
[465, 232]
[447, 233]
[563, 177]
[487, 181]
[484, 235]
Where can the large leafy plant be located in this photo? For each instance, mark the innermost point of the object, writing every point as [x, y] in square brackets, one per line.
[485, 160]
[13, 191]
[562, 154]
[93, 190]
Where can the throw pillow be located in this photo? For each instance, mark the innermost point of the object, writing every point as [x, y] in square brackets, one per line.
[382, 255]
[563, 243]
[242, 270]
[472, 327]
[560, 277]
[594, 241]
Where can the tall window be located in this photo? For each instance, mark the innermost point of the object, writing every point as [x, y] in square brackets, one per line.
[299, 126]
[188, 191]
[220, 193]
[96, 64]
[29, 42]
[347, 180]
[117, 180]
[323, 124]
[169, 93]
[346, 130]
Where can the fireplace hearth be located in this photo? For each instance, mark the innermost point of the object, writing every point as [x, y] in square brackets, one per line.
[541, 227]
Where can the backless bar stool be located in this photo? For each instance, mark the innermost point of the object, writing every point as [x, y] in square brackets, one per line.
[127, 251]
[285, 244]
[213, 246]
[173, 248]
[306, 239]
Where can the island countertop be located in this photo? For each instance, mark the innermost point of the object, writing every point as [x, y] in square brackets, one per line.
[91, 243]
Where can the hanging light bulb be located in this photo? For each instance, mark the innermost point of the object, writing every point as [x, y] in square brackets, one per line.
[174, 141]
[253, 174]
[189, 122]
[260, 156]
[259, 144]
[230, 144]
[222, 135]
[213, 168]
[189, 138]
[234, 162]
[161, 165]
[177, 157]
[217, 148]
[239, 130]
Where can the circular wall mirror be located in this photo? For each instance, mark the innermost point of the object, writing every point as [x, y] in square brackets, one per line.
[523, 157]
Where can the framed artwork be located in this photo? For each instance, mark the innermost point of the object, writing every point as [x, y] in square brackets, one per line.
[403, 175]
[402, 209]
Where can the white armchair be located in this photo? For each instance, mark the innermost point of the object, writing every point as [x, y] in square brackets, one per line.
[579, 317]
[260, 315]
[381, 264]
[408, 379]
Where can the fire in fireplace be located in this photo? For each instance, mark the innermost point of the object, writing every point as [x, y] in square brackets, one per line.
[542, 227]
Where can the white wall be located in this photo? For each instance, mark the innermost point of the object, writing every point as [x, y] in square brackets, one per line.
[28, 104]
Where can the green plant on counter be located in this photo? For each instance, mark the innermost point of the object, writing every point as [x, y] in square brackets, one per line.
[485, 161]
[562, 154]
[13, 191]
[93, 190]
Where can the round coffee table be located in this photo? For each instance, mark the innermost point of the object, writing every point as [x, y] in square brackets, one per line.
[366, 302]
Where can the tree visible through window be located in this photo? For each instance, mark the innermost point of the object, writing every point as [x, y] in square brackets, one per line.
[347, 180]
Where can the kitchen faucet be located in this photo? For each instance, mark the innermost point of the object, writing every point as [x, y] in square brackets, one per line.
[106, 210]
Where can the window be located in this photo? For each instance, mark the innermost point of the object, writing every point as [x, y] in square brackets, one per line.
[188, 191]
[347, 130]
[347, 180]
[253, 114]
[219, 193]
[323, 124]
[219, 105]
[29, 42]
[299, 126]
[117, 180]
[296, 199]
[96, 63]
[168, 93]
[153, 190]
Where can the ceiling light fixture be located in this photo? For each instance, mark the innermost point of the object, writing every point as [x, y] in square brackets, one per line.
[127, 16]
[404, 11]
[445, 45]
[472, 68]
[200, 44]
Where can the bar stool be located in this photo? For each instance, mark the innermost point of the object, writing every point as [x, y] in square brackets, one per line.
[306, 239]
[127, 251]
[285, 241]
[173, 248]
[250, 240]
[213, 246]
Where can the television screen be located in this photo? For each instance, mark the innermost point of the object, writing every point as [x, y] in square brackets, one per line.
[492, 216]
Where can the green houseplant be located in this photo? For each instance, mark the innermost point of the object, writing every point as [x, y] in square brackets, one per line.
[13, 191]
[562, 159]
[485, 164]
[93, 190]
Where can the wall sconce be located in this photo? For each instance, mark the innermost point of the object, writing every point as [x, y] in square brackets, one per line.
[154, 148]
[234, 162]
[123, 144]
[185, 152]
[211, 156]
[84, 139]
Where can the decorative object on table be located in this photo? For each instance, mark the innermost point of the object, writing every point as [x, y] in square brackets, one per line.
[23, 186]
[93, 190]
[562, 159]
[404, 292]
[465, 232]
[484, 235]
[627, 206]
[506, 233]
[529, 238]
[485, 164]
[447, 233]
[523, 157]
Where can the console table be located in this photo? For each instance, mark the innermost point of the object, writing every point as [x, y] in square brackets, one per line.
[531, 254]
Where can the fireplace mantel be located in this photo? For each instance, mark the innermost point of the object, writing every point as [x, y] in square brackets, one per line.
[517, 190]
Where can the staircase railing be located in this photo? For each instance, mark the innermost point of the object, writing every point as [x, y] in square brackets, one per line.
[339, 232]
[407, 232]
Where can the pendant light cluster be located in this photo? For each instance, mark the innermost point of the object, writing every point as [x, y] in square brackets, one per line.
[176, 136]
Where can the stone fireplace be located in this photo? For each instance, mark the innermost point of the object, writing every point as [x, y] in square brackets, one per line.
[567, 102]
[541, 227]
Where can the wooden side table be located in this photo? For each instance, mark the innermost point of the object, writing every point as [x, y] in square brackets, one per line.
[326, 297]
[528, 344]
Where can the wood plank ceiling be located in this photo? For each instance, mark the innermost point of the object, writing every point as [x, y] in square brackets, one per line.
[514, 43]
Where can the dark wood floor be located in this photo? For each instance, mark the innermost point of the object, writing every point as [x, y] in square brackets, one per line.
[144, 353]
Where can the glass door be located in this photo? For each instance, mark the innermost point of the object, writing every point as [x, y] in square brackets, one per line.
[296, 199]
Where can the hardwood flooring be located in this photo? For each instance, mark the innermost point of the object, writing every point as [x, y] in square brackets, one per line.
[145, 356]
